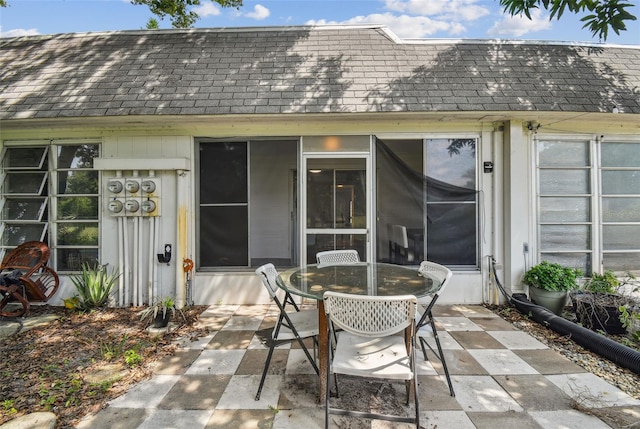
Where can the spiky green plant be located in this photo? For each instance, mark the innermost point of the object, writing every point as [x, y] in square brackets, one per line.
[94, 285]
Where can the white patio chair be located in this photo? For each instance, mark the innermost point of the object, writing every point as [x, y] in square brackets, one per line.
[425, 326]
[369, 346]
[337, 257]
[294, 326]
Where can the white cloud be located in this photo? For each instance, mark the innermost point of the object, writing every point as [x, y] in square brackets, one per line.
[259, 13]
[419, 7]
[403, 26]
[421, 18]
[206, 9]
[454, 10]
[519, 25]
[19, 32]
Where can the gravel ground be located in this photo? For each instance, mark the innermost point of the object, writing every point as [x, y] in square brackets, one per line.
[624, 379]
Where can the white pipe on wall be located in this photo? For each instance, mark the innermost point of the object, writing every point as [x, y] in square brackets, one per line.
[121, 261]
[136, 227]
[134, 261]
[153, 240]
[126, 265]
[139, 273]
[150, 264]
[156, 225]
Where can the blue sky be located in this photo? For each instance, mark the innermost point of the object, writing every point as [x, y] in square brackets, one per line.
[442, 19]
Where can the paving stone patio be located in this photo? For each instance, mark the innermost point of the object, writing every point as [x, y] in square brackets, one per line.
[502, 378]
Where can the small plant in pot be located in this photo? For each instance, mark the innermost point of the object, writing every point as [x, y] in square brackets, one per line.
[602, 305]
[160, 312]
[549, 284]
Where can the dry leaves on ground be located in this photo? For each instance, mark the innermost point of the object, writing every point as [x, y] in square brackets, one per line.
[76, 363]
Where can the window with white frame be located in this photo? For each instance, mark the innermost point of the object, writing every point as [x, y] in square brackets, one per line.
[50, 193]
[589, 203]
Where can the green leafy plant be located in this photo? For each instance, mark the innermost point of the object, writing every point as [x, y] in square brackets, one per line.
[602, 283]
[630, 318]
[552, 276]
[163, 306]
[8, 407]
[132, 358]
[94, 286]
[113, 351]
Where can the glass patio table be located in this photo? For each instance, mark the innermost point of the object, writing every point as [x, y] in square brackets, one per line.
[362, 278]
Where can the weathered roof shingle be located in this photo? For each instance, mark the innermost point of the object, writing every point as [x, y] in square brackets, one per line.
[303, 70]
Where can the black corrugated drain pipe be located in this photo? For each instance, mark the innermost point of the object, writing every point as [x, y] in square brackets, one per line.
[617, 353]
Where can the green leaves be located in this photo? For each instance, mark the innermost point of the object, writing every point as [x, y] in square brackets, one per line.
[179, 11]
[551, 276]
[608, 14]
[94, 286]
[603, 14]
[602, 283]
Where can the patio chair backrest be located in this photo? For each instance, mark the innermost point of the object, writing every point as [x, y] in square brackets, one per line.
[32, 254]
[337, 257]
[440, 272]
[370, 316]
[268, 274]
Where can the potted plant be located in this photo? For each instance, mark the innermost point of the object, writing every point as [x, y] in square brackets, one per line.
[160, 312]
[601, 304]
[549, 284]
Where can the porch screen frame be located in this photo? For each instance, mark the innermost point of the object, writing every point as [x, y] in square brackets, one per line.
[369, 230]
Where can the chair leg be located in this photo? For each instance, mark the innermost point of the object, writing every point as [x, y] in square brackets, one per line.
[416, 399]
[265, 369]
[327, 392]
[442, 359]
[423, 346]
[312, 360]
[12, 293]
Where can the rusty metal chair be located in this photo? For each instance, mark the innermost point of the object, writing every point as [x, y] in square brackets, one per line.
[25, 278]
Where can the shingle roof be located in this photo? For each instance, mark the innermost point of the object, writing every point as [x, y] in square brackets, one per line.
[304, 70]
